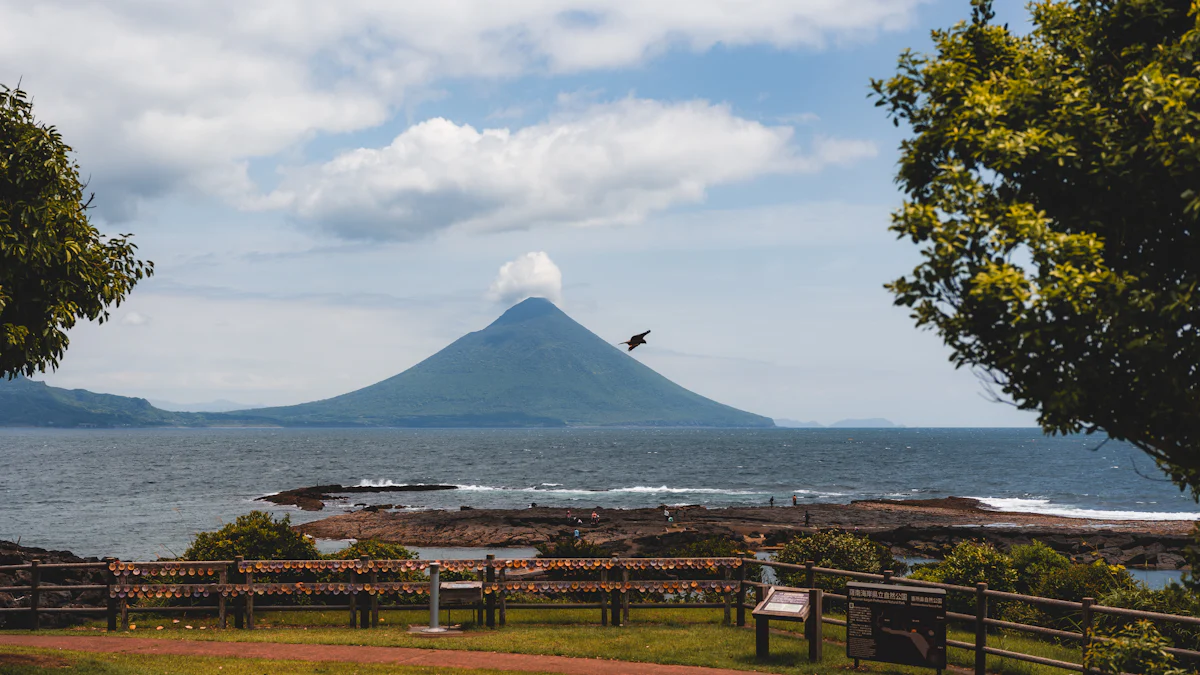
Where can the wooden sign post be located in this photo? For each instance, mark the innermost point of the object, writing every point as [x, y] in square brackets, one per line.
[789, 604]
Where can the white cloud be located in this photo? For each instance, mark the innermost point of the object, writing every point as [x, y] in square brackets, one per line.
[607, 163]
[155, 96]
[134, 319]
[531, 275]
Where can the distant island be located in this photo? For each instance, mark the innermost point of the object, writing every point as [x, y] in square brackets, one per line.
[868, 423]
[532, 367]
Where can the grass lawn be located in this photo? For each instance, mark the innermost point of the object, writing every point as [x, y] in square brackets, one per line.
[683, 636]
[25, 661]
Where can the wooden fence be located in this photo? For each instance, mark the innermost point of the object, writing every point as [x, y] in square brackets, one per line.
[236, 584]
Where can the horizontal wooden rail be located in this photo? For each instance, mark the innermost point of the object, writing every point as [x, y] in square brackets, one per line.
[1030, 658]
[1038, 600]
[1139, 614]
[960, 644]
[1029, 628]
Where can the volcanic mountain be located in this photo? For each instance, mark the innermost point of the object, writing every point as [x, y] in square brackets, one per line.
[533, 366]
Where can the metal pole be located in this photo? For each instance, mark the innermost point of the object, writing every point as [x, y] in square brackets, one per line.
[434, 587]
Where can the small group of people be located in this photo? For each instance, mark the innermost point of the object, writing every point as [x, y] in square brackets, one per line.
[576, 520]
[795, 502]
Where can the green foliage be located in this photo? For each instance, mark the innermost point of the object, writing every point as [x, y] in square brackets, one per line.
[1173, 599]
[1034, 563]
[1192, 554]
[1050, 182]
[254, 536]
[55, 268]
[1138, 649]
[968, 564]
[24, 402]
[374, 549]
[836, 549]
[1087, 581]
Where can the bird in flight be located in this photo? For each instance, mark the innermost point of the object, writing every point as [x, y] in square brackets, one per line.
[639, 339]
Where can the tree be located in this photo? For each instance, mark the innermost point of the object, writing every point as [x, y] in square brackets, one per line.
[1051, 184]
[254, 536]
[55, 267]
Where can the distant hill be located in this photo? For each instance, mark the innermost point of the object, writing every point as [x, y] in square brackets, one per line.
[219, 405]
[533, 366]
[870, 423]
[797, 424]
[25, 402]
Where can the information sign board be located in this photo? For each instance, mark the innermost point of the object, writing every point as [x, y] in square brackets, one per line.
[896, 624]
[782, 602]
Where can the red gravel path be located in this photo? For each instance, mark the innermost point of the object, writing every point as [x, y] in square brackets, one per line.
[355, 654]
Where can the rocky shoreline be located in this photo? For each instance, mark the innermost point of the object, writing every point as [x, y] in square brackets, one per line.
[12, 553]
[911, 528]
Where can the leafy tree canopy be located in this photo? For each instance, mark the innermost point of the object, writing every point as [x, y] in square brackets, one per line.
[1051, 183]
[254, 536]
[55, 267]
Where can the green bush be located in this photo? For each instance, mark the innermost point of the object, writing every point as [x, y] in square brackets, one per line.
[836, 549]
[1138, 649]
[254, 536]
[569, 547]
[1174, 599]
[1034, 563]
[374, 549]
[968, 564]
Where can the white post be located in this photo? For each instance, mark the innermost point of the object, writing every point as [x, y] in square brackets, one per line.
[434, 587]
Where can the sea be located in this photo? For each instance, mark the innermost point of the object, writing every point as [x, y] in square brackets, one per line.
[138, 494]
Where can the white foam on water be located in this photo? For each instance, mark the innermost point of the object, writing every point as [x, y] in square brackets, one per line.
[1045, 507]
[635, 489]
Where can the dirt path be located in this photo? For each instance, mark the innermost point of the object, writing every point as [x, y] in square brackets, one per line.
[355, 654]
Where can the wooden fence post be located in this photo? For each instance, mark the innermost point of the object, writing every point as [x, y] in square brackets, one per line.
[482, 597]
[726, 597]
[111, 605]
[810, 575]
[614, 596]
[352, 575]
[222, 579]
[364, 618]
[1086, 629]
[35, 594]
[249, 600]
[815, 625]
[741, 593]
[981, 615]
[503, 598]
[374, 599]
[490, 578]
[239, 605]
[762, 629]
[887, 576]
[624, 597]
[603, 597]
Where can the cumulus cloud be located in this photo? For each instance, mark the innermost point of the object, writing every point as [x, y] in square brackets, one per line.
[605, 163]
[155, 96]
[531, 275]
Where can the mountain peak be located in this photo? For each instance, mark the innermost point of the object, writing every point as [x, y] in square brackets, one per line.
[529, 308]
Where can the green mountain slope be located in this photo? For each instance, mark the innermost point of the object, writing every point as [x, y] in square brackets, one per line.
[24, 402]
[534, 366]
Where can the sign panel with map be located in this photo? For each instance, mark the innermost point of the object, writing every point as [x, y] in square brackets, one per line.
[782, 602]
[896, 624]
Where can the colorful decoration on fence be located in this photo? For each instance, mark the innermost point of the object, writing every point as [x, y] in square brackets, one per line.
[174, 569]
[269, 566]
[420, 588]
[592, 586]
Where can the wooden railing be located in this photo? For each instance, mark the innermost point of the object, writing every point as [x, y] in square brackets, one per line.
[980, 621]
[239, 582]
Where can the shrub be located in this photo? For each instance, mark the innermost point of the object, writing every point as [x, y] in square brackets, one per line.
[968, 564]
[255, 536]
[835, 549]
[1174, 599]
[1138, 649]
[1034, 563]
[569, 547]
[372, 548]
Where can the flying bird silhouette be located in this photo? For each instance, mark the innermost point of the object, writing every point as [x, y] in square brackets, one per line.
[639, 339]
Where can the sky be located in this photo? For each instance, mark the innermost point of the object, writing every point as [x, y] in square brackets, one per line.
[332, 192]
